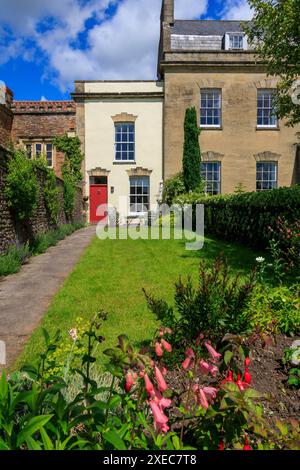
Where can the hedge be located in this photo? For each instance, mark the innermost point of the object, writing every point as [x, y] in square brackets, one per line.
[247, 218]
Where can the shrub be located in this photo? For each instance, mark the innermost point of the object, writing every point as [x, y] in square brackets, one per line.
[191, 151]
[275, 308]
[251, 218]
[21, 188]
[172, 188]
[11, 262]
[214, 307]
[51, 192]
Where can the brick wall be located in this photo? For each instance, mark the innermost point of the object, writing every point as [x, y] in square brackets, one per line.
[40, 121]
[12, 232]
[6, 120]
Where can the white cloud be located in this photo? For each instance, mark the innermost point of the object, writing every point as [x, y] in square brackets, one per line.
[237, 10]
[122, 47]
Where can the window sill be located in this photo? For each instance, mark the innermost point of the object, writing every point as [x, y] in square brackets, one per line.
[211, 128]
[267, 128]
[125, 162]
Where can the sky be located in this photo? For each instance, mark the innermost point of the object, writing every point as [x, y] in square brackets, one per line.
[45, 46]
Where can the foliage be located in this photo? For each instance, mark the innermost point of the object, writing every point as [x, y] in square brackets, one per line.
[291, 362]
[172, 188]
[213, 307]
[50, 189]
[21, 188]
[71, 169]
[251, 218]
[73, 157]
[12, 260]
[285, 246]
[215, 409]
[191, 151]
[69, 196]
[192, 197]
[240, 189]
[274, 308]
[275, 33]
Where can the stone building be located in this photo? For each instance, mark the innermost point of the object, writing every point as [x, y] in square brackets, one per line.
[120, 125]
[35, 123]
[209, 65]
[6, 118]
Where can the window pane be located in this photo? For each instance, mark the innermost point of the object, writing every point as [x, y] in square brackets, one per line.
[210, 108]
[139, 194]
[265, 108]
[124, 142]
[211, 173]
[266, 176]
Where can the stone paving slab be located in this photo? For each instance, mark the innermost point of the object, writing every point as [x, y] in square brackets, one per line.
[26, 296]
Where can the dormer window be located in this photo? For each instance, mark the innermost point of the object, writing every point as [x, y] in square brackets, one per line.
[235, 42]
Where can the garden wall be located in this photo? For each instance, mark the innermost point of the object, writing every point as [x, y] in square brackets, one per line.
[12, 232]
[248, 218]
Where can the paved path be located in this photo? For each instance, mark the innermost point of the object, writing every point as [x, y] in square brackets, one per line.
[25, 296]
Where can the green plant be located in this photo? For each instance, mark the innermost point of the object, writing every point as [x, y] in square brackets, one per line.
[275, 308]
[21, 187]
[71, 169]
[43, 241]
[50, 189]
[291, 361]
[191, 152]
[172, 188]
[214, 307]
[12, 260]
[252, 218]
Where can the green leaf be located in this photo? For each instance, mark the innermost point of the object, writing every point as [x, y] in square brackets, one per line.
[113, 438]
[32, 444]
[227, 357]
[34, 425]
[46, 440]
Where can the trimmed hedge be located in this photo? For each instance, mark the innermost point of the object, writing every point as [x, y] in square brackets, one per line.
[247, 218]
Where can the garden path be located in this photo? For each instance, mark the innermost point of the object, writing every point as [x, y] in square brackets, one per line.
[25, 296]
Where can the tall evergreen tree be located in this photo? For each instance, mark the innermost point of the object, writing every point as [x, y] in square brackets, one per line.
[191, 152]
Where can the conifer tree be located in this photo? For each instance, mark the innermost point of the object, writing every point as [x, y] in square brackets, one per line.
[191, 152]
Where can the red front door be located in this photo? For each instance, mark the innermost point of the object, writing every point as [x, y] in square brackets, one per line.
[98, 197]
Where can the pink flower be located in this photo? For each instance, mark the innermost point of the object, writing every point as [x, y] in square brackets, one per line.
[208, 368]
[247, 362]
[213, 353]
[190, 353]
[129, 381]
[160, 400]
[159, 417]
[210, 393]
[246, 444]
[199, 339]
[162, 386]
[186, 363]
[164, 371]
[166, 345]
[74, 334]
[158, 350]
[148, 385]
[202, 399]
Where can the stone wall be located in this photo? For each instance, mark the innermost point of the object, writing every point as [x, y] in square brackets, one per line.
[12, 232]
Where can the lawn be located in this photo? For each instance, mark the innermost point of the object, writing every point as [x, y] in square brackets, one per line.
[110, 276]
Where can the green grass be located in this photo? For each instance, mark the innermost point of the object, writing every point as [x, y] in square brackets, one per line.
[110, 276]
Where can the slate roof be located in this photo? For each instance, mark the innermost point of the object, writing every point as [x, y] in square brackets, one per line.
[206, 27]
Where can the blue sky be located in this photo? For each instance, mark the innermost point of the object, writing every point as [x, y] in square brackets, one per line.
[45, 46]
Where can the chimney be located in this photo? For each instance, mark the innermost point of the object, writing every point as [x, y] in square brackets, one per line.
[168, 11]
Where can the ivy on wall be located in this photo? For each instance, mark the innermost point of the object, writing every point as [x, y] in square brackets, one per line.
[71, 169]
[51, 191]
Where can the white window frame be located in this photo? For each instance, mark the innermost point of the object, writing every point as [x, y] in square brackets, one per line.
[131, 194]
[236, 33]
[265, 126]
[127, 142]
[211, 90]
[204, 176]
[268, 171]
